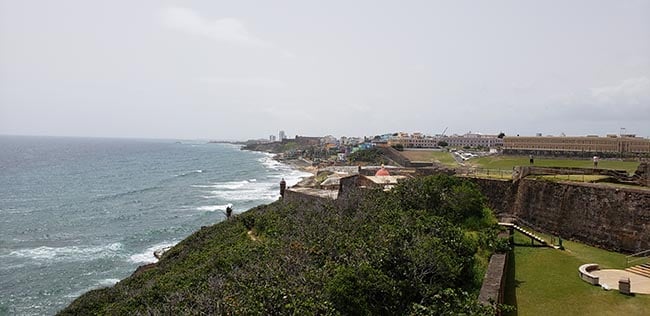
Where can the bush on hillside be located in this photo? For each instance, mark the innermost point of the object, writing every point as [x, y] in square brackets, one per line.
[371, 155]
[407, 252]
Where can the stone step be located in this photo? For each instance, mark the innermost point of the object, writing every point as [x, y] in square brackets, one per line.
[639, 271]
[642, 268]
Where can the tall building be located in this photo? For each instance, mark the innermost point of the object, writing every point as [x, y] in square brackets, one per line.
[282, 135]
[272, 138]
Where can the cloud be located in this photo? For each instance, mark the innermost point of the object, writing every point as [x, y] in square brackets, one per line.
[226, 29]
[633, 91]
[627, 100]
[259, 82]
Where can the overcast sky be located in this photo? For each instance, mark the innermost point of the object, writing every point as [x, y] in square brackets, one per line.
[247, 69]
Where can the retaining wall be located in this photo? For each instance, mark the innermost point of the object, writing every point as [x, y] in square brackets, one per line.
[494, 282]
[612, 218]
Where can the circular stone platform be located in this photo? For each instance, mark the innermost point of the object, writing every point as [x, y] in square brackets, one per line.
[609, 277]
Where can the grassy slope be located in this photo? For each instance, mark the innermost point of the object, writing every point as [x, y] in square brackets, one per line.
[544, 281]
[507, 162]
[442, 157]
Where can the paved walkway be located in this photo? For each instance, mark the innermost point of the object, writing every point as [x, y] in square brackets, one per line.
[638, 284]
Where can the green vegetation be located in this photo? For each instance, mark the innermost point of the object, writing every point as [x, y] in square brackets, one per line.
[372, 155]
[421, 249]
[508, 162]
[289, 145]
[441, 157]
[544, 281]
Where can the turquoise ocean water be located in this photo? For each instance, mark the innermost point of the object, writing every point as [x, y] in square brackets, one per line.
[81, 213]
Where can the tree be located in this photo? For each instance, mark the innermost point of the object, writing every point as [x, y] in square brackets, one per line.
[501, 135]
[443, 143]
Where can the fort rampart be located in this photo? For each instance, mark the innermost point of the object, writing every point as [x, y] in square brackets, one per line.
[614, 218]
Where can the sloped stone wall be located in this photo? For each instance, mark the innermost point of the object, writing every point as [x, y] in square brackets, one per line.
[611, 218]
[607, 217]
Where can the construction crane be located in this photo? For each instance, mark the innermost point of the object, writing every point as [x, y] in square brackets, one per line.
[443, 132]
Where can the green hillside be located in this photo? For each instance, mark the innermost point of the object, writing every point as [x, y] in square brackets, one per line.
[421, 249]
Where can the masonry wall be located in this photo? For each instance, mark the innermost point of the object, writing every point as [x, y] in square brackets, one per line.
[500, 194]
[616, 219]
[494, 282]
[300, 197]
[611, 218]
[643, 174]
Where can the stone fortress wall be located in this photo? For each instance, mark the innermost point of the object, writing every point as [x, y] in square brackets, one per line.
[613, 218]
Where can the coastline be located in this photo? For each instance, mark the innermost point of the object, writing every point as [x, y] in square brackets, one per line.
[293, 164]
[301, 164]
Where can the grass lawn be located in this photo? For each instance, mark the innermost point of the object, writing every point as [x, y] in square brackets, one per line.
[442, 157]
[545, 281]
[507, 162]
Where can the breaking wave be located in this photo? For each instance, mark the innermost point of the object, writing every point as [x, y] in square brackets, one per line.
[212, 208]
[72, 253]
[147, 255]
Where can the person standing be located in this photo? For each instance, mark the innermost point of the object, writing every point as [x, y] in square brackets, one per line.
[531, 159]
[283, 187]
[596, 161]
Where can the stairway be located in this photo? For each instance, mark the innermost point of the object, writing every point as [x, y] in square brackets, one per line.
[527, 233]
[641, 269]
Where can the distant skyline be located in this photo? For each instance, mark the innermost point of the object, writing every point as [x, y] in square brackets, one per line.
[248, 69]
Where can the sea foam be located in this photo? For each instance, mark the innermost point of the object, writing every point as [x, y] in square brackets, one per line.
[71, 253]
[212, 208]
[147, 255]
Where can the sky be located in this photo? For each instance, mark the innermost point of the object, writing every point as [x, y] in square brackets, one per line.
[243, 69]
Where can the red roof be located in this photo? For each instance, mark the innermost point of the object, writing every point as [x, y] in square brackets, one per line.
[382, 172]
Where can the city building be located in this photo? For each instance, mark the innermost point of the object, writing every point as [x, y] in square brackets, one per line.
[282, 136]
[419, 140]
[626, 144]
[473, 140]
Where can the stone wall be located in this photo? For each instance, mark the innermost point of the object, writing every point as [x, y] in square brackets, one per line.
[611, 218]
[494, 282]
[643, 174]
[397, 157]
[293, 196]
[500, 194]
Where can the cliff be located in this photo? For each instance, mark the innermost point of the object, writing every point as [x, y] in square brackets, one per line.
[422, 247]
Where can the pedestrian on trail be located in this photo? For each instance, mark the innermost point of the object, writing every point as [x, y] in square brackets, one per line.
[531, 159]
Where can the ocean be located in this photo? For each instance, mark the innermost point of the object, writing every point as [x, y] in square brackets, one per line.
[82, 213]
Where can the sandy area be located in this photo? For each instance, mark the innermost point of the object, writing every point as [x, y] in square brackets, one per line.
[638, 284]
